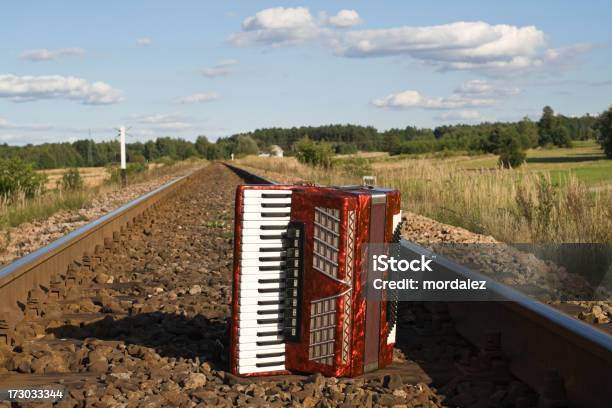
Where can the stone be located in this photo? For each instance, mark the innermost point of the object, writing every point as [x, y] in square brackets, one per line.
[195, 290]
[392, 381]
[194, 380]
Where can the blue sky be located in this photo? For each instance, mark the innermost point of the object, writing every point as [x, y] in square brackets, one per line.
[216, 68]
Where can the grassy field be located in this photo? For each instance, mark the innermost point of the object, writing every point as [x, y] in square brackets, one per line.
[560, 195]
[20, 209]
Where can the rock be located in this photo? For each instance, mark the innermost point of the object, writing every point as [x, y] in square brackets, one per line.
[393, 382]
[101, 278]
[194, 380]
[195, 290]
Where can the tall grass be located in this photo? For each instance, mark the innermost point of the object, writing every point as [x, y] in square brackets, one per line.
[21, 207]
[510, 205]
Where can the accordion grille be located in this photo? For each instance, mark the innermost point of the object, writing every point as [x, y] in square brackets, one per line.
[326, 241]
[350, 257]
[322, 329]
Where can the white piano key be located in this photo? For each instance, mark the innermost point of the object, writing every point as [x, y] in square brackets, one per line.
[256, 262]
[263, 334]
[258, 247]
[253, 308]
[255, 239]
[253, 361]
[252, 337]
[257, 231]
[255, 370]
[261, 327]
[264, 348]
[259, 200]
[258, 216]
[259, 254]
[262, 286]
[251, 293]
[259, 193]
[246, 300]
[267, 208]
[256, 316]
[262, 354]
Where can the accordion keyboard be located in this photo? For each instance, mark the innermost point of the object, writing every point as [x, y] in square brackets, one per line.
[263, 258]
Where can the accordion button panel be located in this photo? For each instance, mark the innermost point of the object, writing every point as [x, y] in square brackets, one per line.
[261, 340]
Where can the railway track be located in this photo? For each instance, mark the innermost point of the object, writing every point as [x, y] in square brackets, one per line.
[133, 310]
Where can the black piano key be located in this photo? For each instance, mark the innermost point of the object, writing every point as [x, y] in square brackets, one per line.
[275, 205]
[271, 364]
[271, 268]
[270, 249]
[270, 280]
[275, 214]
[265, 355]
[269, 343]
[272, 311]
[268, 321]
[270, 333]
[275, 195]
[269, 302]
[272, 227]
[270, 290]
[270, 237]
[271, 259]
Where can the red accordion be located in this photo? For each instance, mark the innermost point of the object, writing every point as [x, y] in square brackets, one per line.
[300, 274]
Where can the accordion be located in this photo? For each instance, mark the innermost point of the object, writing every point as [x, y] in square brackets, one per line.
[300, 275]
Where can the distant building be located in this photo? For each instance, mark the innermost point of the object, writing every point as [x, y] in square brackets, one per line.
[276, 151]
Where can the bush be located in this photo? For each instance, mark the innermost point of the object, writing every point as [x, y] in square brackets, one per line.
[71, 180]
[131, 169]
[511, 153]
[314, 154]
[355, 166]
[604, 124]
[18, 177]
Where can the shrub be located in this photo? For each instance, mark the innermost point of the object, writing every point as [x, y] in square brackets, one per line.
[511, 153]
[604, 124]
[18, 177]
[71, 180]
[314, 154]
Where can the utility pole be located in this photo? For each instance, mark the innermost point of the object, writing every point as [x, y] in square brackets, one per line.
[123, 158]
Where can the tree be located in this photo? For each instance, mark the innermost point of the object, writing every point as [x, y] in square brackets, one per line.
[511, 152]
[561, 136]
[528, 132]
[604, 125]
[246, 145]
[546, 124]
[202, 145]
[150, 150]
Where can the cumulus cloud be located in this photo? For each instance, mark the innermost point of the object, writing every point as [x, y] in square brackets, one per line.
[277, 26]
[31, 88]
[198, 98]
[144, 42]
[461, 45]
[44, 54]
[413, 99]
[473, 93]
[345, 18]
[223, 68]
[467, 115]
[6, 124]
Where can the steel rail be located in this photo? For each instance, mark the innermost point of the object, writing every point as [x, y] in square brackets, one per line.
[36, 268]
[563, 359]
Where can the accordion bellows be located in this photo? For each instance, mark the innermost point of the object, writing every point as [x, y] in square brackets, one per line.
[300, 274]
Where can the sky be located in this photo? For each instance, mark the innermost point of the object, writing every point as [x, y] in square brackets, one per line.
[71, 69]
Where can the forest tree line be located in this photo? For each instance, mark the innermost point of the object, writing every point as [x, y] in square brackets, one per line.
[550, 130]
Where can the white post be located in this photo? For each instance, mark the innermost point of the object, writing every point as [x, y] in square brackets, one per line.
[123, 170]
[122, 142]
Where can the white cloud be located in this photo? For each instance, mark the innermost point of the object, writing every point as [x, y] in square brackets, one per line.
[277, 26]
[31, 88]
[44, 54]
[467, 115]
[413, 99]
[345, 18]
[472, 93]
[175, 121]
[144, 42]
[461, 45]
[223, 68]
[198, 98]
